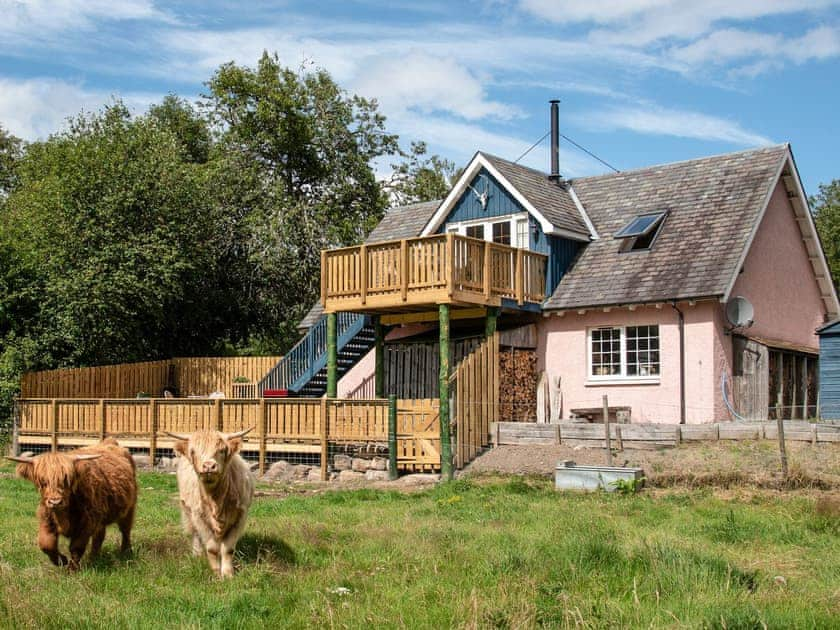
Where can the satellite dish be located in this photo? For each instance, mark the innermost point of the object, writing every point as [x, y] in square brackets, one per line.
[739, 312]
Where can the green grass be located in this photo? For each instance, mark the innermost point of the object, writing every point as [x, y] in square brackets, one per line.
[495, 554]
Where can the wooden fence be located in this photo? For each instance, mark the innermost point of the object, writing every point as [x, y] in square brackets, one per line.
[476, 400]
[286, 425]
[657, 435]
[190, 376]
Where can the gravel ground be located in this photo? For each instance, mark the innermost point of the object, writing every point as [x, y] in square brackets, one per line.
[708, 463]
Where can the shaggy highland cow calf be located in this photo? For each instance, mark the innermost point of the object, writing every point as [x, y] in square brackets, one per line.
[216, 488]
[82, 492]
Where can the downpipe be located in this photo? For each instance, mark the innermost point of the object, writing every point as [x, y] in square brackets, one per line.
[681, 326]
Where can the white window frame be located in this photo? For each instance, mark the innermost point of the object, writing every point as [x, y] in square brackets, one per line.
[460, 227]
[622, 378]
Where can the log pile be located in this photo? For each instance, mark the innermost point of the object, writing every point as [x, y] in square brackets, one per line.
[517, 385]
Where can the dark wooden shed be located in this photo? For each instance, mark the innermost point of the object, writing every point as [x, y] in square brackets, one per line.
[830, 369]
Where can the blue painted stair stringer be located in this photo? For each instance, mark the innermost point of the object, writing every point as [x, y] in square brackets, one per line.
[309, 355]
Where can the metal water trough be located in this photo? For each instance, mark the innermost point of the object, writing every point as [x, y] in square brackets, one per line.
[570, 476]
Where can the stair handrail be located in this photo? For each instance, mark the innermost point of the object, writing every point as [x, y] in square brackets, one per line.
[299, 361]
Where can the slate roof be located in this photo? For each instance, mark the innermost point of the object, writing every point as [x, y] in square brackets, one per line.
[713, 204]
[548, 197]
[400, 222]
[403, 222]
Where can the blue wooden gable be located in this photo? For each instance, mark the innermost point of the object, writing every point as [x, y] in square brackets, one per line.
[561, 251]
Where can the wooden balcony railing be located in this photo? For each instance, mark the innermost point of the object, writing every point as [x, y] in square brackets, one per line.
[444, 268]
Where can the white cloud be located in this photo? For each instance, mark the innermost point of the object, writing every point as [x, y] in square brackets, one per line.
[655, 120]
[34, 18]
[724, 46]
[35, 108]
[425, 83]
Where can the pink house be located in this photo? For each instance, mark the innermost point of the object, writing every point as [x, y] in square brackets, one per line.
[638, 271]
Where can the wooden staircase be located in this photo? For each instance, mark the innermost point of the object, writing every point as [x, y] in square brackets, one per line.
[303, 370]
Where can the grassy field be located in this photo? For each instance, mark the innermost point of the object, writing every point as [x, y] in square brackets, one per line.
[487, 553]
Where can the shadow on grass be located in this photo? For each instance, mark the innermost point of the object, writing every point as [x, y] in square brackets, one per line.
[262, 549]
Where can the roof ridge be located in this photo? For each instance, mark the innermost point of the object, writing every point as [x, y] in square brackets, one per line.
[783, 145]
[516, 164]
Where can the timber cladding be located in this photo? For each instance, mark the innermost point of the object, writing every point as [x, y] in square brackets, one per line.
[189, 376]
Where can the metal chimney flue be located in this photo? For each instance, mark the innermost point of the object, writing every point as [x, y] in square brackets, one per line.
[555, 140]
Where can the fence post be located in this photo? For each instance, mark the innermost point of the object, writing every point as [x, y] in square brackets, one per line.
[780, 425]
[445, 428]
[217, 412]
[392, 437]
[54, 410]
[153, 421]
[262, 427]
[101, 412]
[325, 443]
[16, 427]
[607, 431]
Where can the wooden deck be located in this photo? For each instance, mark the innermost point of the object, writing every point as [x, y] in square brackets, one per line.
[419, 273]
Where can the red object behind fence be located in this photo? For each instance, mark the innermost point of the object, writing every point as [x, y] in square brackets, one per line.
[275, 393]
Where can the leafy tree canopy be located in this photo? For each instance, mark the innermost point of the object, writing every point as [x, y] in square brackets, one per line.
[826, 208]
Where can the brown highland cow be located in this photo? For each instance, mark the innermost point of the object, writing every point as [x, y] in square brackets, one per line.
[82, 491]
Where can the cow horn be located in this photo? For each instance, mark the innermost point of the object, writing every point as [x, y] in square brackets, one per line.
[238, 434]
[86, 456]
[178, 436]
[20, 460]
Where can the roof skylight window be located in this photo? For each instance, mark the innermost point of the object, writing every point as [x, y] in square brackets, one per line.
[641, 225]
[641, 231]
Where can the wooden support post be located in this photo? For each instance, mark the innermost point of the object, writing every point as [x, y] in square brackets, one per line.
[404, 269]
[805, 400]
[607, 431]
[324, 277]
[620, 440]
[153, 421]
[103, 429]
[262, 428]
[450, 263]
[325, 443]
[488, 275]
[490, 321]
[392, 437]
[332, 355]
[379, 358]
[519, 278]
[217, 414]
[363, 272]
[54, 410]
[780, 424]
[445, 435]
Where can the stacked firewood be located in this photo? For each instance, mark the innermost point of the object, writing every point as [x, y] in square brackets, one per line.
[517, 385]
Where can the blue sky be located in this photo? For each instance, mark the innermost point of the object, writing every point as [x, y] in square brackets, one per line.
[641, 81]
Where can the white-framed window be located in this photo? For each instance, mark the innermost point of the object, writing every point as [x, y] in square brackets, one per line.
[624, 353]
[511, 229]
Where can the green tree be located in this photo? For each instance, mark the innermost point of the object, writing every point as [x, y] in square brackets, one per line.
[420, 177]
[110, 238]
[293, 171]
[826, 208]
[11, 150]
[189, 126]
